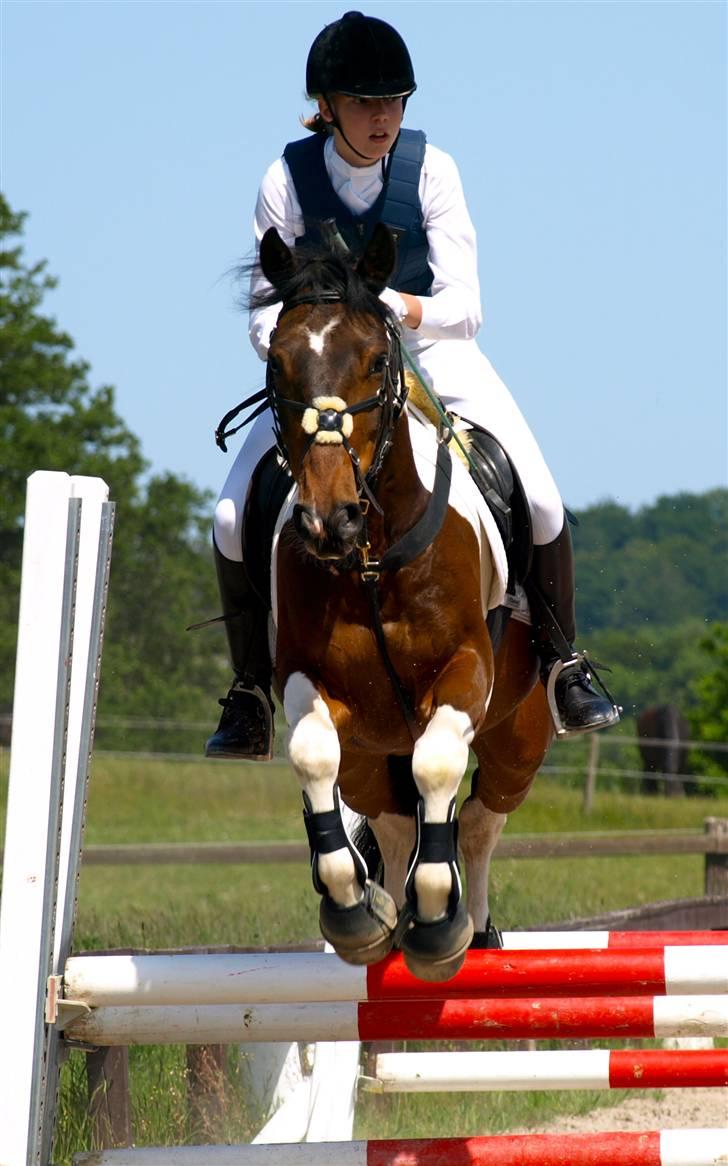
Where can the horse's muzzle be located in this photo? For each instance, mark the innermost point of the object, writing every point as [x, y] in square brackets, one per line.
[333, 537]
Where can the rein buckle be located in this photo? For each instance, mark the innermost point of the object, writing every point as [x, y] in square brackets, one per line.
[371, 568]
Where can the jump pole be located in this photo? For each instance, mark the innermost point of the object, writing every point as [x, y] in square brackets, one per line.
[657, 1148]
[475, 1072]
[539, 940]
[261, 978]
[494, 1019]
[66, 549]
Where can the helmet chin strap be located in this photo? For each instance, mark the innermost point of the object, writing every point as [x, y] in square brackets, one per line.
[337, 125]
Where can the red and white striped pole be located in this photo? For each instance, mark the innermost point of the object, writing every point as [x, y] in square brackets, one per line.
[523, 940]
[656, 1148]
[292, 977]
[471, 1072]
[496, 1019]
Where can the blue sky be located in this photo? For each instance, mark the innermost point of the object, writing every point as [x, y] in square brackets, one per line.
[591, 139]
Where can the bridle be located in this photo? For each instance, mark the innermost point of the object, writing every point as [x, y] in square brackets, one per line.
[328, 420]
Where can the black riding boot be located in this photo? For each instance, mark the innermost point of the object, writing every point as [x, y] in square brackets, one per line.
[575, 704]
[246, 725]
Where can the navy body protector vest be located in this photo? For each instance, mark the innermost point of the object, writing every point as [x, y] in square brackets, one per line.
[398, 206]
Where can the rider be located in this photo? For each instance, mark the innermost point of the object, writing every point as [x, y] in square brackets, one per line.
[355, 168]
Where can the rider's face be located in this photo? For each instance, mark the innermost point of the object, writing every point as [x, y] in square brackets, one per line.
[370, 123]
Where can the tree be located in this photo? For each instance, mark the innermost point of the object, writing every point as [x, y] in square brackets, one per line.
[162, 576]
[656, 567]
[49, 416]
[709, 716]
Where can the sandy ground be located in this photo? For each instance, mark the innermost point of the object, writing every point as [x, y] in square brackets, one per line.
[677, 1109]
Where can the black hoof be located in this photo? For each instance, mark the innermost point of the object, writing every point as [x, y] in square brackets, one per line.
[436, 951]
[362, 934]
[490, 939]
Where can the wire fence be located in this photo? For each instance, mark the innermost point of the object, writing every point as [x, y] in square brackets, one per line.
[608, 758]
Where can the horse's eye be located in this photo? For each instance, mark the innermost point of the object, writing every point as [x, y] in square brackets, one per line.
[274, 365]
[378, 364]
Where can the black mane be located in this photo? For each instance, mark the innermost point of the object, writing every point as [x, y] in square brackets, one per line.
[320, 272]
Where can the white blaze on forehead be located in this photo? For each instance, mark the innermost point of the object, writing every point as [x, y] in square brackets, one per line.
[318, 339]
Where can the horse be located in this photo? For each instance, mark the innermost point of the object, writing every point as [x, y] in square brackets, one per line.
[383, 660]
[663, 722]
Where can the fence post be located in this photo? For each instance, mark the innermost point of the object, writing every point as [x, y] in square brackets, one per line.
[716, 865]
[206, 1089]
[107, 1073]
[592, 767]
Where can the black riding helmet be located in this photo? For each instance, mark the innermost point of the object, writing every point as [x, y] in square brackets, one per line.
[360, 56]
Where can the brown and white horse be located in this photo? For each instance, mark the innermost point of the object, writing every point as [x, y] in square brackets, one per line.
[383, 659]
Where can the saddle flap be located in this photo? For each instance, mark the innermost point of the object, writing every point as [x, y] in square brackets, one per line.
[269, 487]
[501, 488]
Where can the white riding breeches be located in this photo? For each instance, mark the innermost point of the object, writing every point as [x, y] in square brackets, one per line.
[469, 386]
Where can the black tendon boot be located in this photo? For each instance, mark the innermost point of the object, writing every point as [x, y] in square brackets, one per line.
[246, 725]
[576, 706]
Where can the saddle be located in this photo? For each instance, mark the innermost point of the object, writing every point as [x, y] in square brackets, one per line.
[490, 468]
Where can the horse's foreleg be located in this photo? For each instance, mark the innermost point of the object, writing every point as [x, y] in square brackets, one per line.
[314, 752]
[356, 916]
[440, 928]
[438, 765]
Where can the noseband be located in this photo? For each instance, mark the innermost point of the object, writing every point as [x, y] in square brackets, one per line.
[329, 420]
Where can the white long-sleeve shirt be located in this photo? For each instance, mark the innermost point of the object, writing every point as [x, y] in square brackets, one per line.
[452, 311]
[444, 343]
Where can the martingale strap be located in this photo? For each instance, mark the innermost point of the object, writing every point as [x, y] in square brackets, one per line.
[371, 585]
[409, 547]
[428, 526]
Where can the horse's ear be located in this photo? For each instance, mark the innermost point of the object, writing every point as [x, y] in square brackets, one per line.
[276, 259]
[379, 259]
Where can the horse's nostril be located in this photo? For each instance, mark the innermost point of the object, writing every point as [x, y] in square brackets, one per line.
[307, 522]
[346, 522]
[353, 512]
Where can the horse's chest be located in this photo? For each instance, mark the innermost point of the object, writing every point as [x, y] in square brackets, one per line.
[340, 642]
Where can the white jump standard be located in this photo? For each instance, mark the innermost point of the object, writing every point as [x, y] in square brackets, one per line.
[66, 550]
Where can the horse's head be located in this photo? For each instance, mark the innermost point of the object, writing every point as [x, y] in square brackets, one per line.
[333, 379]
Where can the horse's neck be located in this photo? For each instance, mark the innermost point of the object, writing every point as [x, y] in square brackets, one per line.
[399, 491]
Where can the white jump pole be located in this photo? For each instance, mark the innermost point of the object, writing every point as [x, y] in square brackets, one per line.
[67, 528]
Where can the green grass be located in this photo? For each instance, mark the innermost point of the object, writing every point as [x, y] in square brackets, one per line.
[170, 801]
[167, 801]
[408, 1115]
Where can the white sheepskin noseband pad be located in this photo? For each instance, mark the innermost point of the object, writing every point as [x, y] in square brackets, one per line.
[328, 421]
